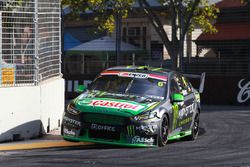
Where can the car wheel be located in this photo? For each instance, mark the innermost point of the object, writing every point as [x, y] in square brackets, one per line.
[163, 131]
[195, 128]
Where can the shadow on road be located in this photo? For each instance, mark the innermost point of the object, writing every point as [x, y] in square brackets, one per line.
[106, 146]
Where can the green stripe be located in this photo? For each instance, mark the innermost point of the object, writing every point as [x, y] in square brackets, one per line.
[157, 69]
[141, 67]
[102, 93]
[131, 130]
[180, 135]
[128, 129]
[151, 107]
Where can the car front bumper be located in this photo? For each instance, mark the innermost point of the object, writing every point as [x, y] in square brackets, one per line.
[108, 129]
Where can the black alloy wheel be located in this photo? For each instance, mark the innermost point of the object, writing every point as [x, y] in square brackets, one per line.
[163, 131]
[195, 128]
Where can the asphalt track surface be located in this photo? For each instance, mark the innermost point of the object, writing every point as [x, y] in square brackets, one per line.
[224, 141]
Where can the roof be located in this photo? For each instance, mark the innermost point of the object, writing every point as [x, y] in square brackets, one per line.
[105, 43]
[230, 4]
[228, 32]
[84, 33]
[70, 41]
[140, 68]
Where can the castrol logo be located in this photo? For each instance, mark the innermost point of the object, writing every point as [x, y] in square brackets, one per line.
[113, 104]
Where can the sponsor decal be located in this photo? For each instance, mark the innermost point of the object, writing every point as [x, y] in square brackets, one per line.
[187, 110]
[161, 84]
[114, 104]
[147, 129]
[131, 130]
[103, 127]
[197, 97]
[244, 93]
[185, 121]
[69, 132]
[142, 140]
[135, 75]
[175, 114]
[68, 120]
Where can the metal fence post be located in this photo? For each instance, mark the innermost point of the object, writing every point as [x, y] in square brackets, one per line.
[36, 45]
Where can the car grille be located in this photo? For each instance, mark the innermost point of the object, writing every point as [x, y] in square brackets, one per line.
[103, 119]
[96, 134]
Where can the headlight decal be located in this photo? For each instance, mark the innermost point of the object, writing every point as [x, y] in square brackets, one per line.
[72, 110]
[145, 116]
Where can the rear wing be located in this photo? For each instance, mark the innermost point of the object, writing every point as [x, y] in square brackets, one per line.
[201, 77]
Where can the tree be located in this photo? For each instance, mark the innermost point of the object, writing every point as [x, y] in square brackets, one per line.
[184, 15]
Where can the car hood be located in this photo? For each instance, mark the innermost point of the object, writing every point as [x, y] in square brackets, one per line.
[116, 105]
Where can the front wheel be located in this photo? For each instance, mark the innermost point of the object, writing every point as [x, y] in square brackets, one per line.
[195, 129]
[163, 131]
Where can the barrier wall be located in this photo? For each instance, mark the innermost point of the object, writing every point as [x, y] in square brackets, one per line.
[227, 90]
[25, 112]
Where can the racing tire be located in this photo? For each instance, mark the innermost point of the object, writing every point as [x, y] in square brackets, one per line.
[195, 129]
[163, 131]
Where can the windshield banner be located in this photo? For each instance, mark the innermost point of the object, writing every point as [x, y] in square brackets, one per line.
[135, 75]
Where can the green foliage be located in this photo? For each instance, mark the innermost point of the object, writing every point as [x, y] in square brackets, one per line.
[205, 16]
[184, 14]
[105, 10]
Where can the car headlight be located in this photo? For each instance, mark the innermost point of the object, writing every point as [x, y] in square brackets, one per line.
[145, 116]
[72, 110]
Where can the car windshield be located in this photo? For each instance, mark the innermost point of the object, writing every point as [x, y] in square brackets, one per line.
[145, 87]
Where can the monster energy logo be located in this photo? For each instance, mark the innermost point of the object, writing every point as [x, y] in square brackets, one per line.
[131, 130]
[175, 115]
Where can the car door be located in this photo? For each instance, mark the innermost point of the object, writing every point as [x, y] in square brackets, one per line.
[189, 102]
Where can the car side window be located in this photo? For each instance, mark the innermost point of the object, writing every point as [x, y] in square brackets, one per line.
[184, 86]
[174, 88]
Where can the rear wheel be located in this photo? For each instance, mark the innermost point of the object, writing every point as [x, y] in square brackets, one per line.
[195, 128]
[163, 131]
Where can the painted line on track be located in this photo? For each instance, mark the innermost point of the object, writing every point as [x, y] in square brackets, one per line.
[42, 144]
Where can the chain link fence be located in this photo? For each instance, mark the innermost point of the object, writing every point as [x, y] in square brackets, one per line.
[30, 41]
[229, 66]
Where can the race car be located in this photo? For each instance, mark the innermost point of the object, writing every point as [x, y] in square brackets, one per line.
[134, 106]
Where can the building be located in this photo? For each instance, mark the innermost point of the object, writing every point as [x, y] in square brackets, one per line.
[231, 45]
[137, 30]
[227, 63]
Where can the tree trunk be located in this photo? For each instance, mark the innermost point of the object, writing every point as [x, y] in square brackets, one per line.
[174, 59]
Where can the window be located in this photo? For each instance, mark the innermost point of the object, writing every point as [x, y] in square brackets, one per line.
[145, 87]
[134, 31]
[184, 86]
[174, 87]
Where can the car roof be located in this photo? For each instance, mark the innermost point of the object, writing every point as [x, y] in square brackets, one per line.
[145, 69]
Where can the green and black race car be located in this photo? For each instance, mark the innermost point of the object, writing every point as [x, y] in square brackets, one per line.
[134, 106]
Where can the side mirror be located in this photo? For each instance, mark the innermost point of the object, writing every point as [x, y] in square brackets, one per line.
[176, 97]
[81, 88]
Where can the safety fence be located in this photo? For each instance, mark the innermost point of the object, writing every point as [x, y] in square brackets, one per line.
[196, 65]
[30, 41]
